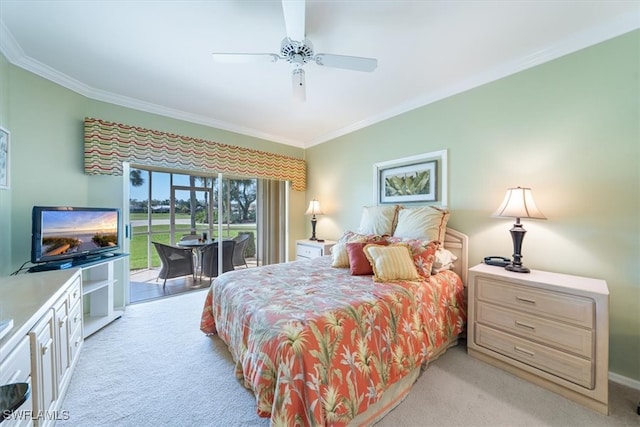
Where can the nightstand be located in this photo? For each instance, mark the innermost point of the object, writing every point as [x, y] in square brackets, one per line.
[550, 329]
[307, 249]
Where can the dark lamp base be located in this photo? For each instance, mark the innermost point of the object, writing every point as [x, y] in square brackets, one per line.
[517, 268]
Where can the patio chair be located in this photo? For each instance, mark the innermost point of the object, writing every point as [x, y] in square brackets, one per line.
[240, 248]
[210, 259]
[176, 262]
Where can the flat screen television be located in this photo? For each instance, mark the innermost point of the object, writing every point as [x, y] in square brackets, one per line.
[65, 233]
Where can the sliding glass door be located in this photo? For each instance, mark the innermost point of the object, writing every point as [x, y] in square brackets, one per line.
[166, 207]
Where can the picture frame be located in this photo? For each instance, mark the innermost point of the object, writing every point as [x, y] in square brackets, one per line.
[4, 158]
[416, 179]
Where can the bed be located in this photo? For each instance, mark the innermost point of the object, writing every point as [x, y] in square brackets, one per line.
[318, 345]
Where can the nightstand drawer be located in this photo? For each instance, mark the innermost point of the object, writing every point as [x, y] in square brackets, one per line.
[304, 251]
[566, 308]
[563, 365]
[560, 335]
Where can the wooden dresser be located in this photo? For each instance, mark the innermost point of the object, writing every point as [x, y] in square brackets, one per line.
[551, 329]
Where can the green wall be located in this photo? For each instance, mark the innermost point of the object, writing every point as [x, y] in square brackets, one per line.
[46, 124]
[569, 129]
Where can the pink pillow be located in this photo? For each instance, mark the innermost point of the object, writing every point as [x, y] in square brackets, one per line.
[358, 262]
[424, 254]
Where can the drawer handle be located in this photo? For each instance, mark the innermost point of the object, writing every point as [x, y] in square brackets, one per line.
[75, 295]
[76, 318]
[524, 325]
[62, 321]
[78, 342]
[525, 300]
[524, 351]
[15, 376]
[45, 348]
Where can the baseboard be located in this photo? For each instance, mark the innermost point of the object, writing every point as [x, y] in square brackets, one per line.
[626, 381]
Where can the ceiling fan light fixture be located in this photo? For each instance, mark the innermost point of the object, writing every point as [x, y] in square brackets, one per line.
[299, 89]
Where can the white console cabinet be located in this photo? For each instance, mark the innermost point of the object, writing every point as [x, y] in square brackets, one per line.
[43, 345]
[51, 312]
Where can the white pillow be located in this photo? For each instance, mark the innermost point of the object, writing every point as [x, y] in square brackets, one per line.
[426, 223]
[444, 260]
[378, 220]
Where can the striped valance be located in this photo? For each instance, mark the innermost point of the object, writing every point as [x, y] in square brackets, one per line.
[107, 145]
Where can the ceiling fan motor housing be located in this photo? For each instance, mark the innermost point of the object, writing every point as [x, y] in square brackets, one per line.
[295, 52]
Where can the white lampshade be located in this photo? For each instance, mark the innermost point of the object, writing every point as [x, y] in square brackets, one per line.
[314, 208]
[518, 203]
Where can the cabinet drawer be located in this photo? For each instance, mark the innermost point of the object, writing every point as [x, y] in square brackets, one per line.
[304, 251]
[75, 317]
[563, 365]
[16, 367]
[560, 335]
[75, 292]
[566, 308]
[75, 342]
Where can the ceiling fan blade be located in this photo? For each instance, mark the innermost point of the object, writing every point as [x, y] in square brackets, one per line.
[294, 14]
[242, 58]
[355, 63]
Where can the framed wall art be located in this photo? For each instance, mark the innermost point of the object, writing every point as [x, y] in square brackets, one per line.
[416, 179]
[4, 158]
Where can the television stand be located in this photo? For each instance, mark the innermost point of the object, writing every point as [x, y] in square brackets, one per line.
[98, 280]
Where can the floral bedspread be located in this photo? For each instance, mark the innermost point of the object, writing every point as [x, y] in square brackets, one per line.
[317, 345]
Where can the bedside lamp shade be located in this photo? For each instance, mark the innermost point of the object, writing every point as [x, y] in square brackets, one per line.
[314, 209]
[518, 203]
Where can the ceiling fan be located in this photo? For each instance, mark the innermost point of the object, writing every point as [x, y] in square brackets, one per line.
[298, 50]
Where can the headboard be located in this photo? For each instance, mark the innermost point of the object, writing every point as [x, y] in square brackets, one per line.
[458, 244]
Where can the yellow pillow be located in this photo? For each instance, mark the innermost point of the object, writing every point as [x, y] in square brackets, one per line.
[391, 263]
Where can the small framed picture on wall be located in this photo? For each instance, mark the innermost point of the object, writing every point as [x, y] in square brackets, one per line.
[4, 158]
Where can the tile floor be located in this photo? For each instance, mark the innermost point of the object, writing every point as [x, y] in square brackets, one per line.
[145, 287]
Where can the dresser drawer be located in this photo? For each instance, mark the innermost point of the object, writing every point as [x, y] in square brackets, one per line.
[576, 310]
[75, 317]
[563, 365]
[304, 251]
[75, 292]
[559, 335]
[16, 367]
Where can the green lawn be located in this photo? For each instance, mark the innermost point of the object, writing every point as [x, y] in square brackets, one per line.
[160, 233]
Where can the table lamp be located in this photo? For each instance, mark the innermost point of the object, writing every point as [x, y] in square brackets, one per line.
[518, 203]
[314, 209]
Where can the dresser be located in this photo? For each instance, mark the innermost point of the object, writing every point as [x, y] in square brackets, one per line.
[308, 249]
[551, 329]
[43, 345]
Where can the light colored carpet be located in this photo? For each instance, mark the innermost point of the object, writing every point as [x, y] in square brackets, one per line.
[153, 367]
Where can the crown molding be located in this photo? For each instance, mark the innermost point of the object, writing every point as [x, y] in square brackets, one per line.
[627, 23]
[569, 45]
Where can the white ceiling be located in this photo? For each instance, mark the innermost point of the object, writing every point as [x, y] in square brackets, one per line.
[155, 56]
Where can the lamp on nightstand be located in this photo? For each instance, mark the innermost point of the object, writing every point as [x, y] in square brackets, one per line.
[314, 209]
[518, 203]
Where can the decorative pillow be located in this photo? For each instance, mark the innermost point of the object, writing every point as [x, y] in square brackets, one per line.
[358, 262]
[391, 263]
[427, 223]
[339, 254]
[424, 253]
[444, 260]
[378, 220]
